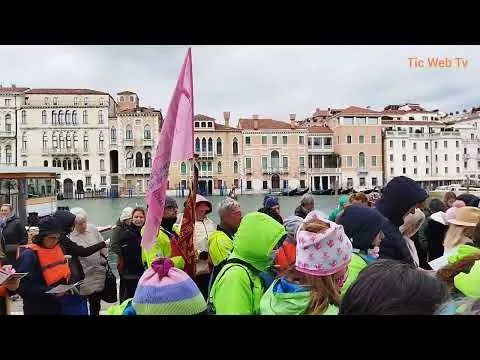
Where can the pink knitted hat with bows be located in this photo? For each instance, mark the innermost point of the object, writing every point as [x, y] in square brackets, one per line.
[325, 253]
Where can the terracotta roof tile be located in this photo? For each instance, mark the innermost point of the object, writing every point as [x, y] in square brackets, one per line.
[8, 90]
[66, 92]
[200, 117]
[355, 110]
[221, 127]
[266, 124]
[320, 130]
[141, 110]
[126, 93]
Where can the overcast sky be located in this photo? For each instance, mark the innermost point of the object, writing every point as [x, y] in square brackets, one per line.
[271, 81]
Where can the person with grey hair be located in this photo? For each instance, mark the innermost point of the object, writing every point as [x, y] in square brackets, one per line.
[94, 266]
[307, 203]
[12, 234]
[220, 242]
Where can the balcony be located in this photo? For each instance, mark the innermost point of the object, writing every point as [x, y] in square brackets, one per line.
[205, 154]
[275, 170]
[205, 173]
[302, 170]
[7, 164]
[248, 171]
[128, 142]
[113, 142]
[362, 171]
[7, 134]
[147, 142]
[320, 149]
[325, 170]
[60, 151]
[23, 152]
[440, 134]
[138, 171]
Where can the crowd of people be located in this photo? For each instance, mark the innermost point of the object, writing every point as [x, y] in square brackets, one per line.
[389, 253]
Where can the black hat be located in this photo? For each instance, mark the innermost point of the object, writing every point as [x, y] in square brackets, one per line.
[47, 225]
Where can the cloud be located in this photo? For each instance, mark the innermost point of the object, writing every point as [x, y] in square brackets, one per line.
[271, 81]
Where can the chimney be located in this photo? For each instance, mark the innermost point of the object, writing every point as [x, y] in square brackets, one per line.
[292, 121]
[255, 123]
[254, 116]
[226, 117]
[14, 86]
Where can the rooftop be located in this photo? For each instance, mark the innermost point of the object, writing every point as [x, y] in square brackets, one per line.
[140, 109]
[355, 110]
[66, 92]
[12, 90]
[126, 93]
[320, 130]
[265, 124]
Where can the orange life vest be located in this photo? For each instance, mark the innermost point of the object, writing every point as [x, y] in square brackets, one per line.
[53, 263]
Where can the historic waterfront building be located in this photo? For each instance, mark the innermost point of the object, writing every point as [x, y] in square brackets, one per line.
[67, 128]
[219, 149]
[275, 154]
[132, 135]
[11, 101]
[358, 143]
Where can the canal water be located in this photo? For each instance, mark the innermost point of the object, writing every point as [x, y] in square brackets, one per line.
[102, 212]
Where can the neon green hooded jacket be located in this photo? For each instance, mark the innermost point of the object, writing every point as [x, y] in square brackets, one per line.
[341, 204]
[467, 284]
[219, 247]
[254, 242]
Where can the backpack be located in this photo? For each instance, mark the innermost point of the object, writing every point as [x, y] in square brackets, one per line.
[217, 269]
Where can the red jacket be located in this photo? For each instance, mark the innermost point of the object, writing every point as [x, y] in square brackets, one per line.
[286, 256]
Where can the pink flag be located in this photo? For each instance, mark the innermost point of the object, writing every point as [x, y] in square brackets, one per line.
[175, 144]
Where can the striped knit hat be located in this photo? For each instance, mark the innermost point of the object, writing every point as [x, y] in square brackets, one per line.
[166, 290]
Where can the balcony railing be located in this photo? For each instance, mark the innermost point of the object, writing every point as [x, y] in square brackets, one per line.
[362, 170]
[138, 171]
[205, 154]
[61, 151]
[325, 170]
[248, 171]
[113, 141]
[302, 170]
[128, 142]
[275, 170]
[320, 148]
[7, 164]
[440, 134]
[205, 173]
[147, 142]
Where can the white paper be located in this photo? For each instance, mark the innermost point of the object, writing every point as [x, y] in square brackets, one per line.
[60, 289]
[439, 263]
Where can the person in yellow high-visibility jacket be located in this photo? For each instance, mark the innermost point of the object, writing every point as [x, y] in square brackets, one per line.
[168, 229]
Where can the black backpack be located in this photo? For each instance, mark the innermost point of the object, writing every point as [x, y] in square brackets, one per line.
[217, 269]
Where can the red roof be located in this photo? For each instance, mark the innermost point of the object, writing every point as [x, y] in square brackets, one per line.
[141, 110]
[355, 110]
[66, 92]
[221, 127]
[200, 117]
[320, 130]
[126, 93]
[8, 90]
[265, 124]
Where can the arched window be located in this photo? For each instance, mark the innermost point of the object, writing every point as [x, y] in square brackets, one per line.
[85, 117]
[219, 146]
[69, 140]
[45, 140]
[24, 141]
[204, 145]
[68, 119]
[44, 117]
[101, 142]
[74, 164]
[235, 167]
[147, 133]
[62, 141]
[24, 163]
[275, 159]
[75, 141]
[60, 117]
[102, 165]
[65, 164]
[54, 163]
[219, 167]
[54, 140]
[148, 159]
[183, 168]
[24, 116]
[129, 160]
[69, 164]
[100, 116]
[8, 123]
[361, 160]
[129, 133]
[210, 145]
[113, 134]
[139, 160]
[54, 118]
[197, 145]
[74, 118]
[235, 146]
[8, 154]
[85, 141]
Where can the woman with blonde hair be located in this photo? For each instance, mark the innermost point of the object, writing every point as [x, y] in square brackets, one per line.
[312, 286]
[411, 225]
